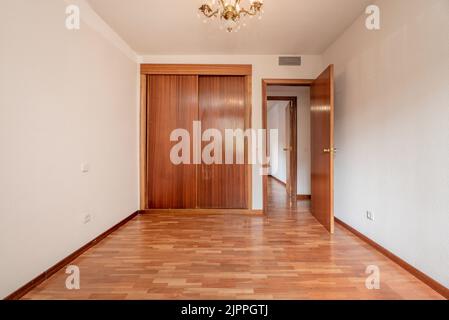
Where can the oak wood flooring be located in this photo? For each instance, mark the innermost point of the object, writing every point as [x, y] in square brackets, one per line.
[284, 255]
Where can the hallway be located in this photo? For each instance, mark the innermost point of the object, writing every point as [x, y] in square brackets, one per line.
[284, 255]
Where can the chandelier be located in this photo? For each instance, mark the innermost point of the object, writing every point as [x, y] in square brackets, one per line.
[230, 12]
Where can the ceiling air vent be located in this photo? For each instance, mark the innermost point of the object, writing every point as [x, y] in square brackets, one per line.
[289, 61]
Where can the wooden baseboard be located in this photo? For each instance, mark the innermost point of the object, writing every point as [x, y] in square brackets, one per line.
[205, 211]
[438, 287]
[19, 293]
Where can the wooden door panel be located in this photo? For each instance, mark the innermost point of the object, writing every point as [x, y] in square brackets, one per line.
[291, 151]
[287, 149]
[322, 123]
[172, 103]
[222, 106]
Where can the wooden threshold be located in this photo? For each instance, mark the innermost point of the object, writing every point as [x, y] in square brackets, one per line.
[205, 211]
[435, 285]
[16, 295]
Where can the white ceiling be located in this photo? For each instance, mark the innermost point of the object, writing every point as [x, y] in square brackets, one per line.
[172, 26]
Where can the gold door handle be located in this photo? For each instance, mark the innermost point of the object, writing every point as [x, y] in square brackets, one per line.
[333, 150]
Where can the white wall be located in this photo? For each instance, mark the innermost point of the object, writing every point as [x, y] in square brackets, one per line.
[66, 97]
[264, 66]
[276, 121]
[71, 97]
[391, 129]
[303, 142]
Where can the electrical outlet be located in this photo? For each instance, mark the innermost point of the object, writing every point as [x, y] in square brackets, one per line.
[85, 167]
[87, 218]
[370, 215]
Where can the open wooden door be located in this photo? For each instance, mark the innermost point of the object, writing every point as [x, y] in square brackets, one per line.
[322, 143]
[291, 153]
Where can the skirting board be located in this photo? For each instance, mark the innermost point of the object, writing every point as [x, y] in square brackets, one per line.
[19, 293]
[438, 287]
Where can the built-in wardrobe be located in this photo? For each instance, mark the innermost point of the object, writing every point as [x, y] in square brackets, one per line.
[173, 97]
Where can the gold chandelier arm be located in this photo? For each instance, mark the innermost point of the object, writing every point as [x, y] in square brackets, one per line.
[253, 10]
[212, 14]
[245, 12]
[207, 11]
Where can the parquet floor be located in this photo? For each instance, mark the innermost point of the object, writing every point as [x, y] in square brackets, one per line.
[285, 255]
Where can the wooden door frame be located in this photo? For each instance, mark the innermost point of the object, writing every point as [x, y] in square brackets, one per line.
[293, 134]
[265, 84]
[200, 70]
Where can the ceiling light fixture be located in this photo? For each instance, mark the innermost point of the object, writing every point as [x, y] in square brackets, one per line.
[230, 12]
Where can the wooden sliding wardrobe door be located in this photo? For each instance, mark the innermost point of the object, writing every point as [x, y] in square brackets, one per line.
[222, 105]
[172, 103]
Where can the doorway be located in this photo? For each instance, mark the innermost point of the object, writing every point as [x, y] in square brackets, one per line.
[282, 116]
[321, 140]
